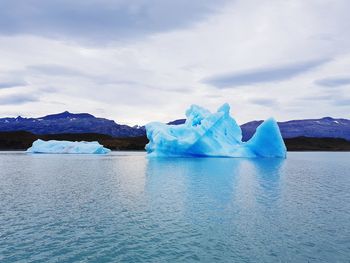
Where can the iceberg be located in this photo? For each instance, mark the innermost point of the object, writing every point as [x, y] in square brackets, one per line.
[213, 135]
[53, 146]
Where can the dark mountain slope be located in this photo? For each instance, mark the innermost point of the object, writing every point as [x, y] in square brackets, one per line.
[66, 122]
[22, 140]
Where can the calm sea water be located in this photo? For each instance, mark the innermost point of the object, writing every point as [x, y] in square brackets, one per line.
[124, 207]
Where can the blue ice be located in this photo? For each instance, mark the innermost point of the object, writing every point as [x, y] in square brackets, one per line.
[53, 146]
[213, 134]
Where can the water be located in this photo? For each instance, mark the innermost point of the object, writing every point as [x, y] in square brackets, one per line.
[125, 208]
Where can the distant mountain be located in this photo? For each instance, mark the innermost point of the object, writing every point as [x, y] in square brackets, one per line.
[67, 122]
[316, 128]
[68, 115]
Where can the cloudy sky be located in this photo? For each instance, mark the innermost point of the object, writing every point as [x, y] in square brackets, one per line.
[136, 61]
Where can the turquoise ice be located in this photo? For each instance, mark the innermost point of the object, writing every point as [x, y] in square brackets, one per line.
[213, 134]
[53, 146]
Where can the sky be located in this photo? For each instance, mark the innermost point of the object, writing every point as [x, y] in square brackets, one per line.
[136, 61]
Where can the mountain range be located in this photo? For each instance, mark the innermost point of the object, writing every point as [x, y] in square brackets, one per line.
[326, 127]
[67, 122]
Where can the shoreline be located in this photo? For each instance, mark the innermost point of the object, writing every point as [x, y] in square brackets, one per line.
[22, 140]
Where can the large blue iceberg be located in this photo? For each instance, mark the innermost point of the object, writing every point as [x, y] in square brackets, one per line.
[213, 134]
[40, 146]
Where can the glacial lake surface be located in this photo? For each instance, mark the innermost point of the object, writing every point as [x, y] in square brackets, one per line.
[124, 207]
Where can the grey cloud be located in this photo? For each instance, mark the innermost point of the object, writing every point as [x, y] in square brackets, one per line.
[48, 89]
[333, 82]
[317, 97]
[63, 71]
[57, 102]
[12, 84]
[264, 102]
[17, 99]
[342, 102]
[55, 70]
[336, 99]
[263, 75]
[100, 20]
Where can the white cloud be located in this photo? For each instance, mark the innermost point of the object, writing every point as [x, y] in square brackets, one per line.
[157, 76]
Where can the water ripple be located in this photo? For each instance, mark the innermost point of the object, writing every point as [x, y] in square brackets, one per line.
[127, 208]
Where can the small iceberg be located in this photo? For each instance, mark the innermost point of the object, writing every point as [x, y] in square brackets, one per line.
[66, 147]
[213, 134]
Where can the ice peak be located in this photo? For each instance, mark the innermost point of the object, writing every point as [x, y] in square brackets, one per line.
[225, 108]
